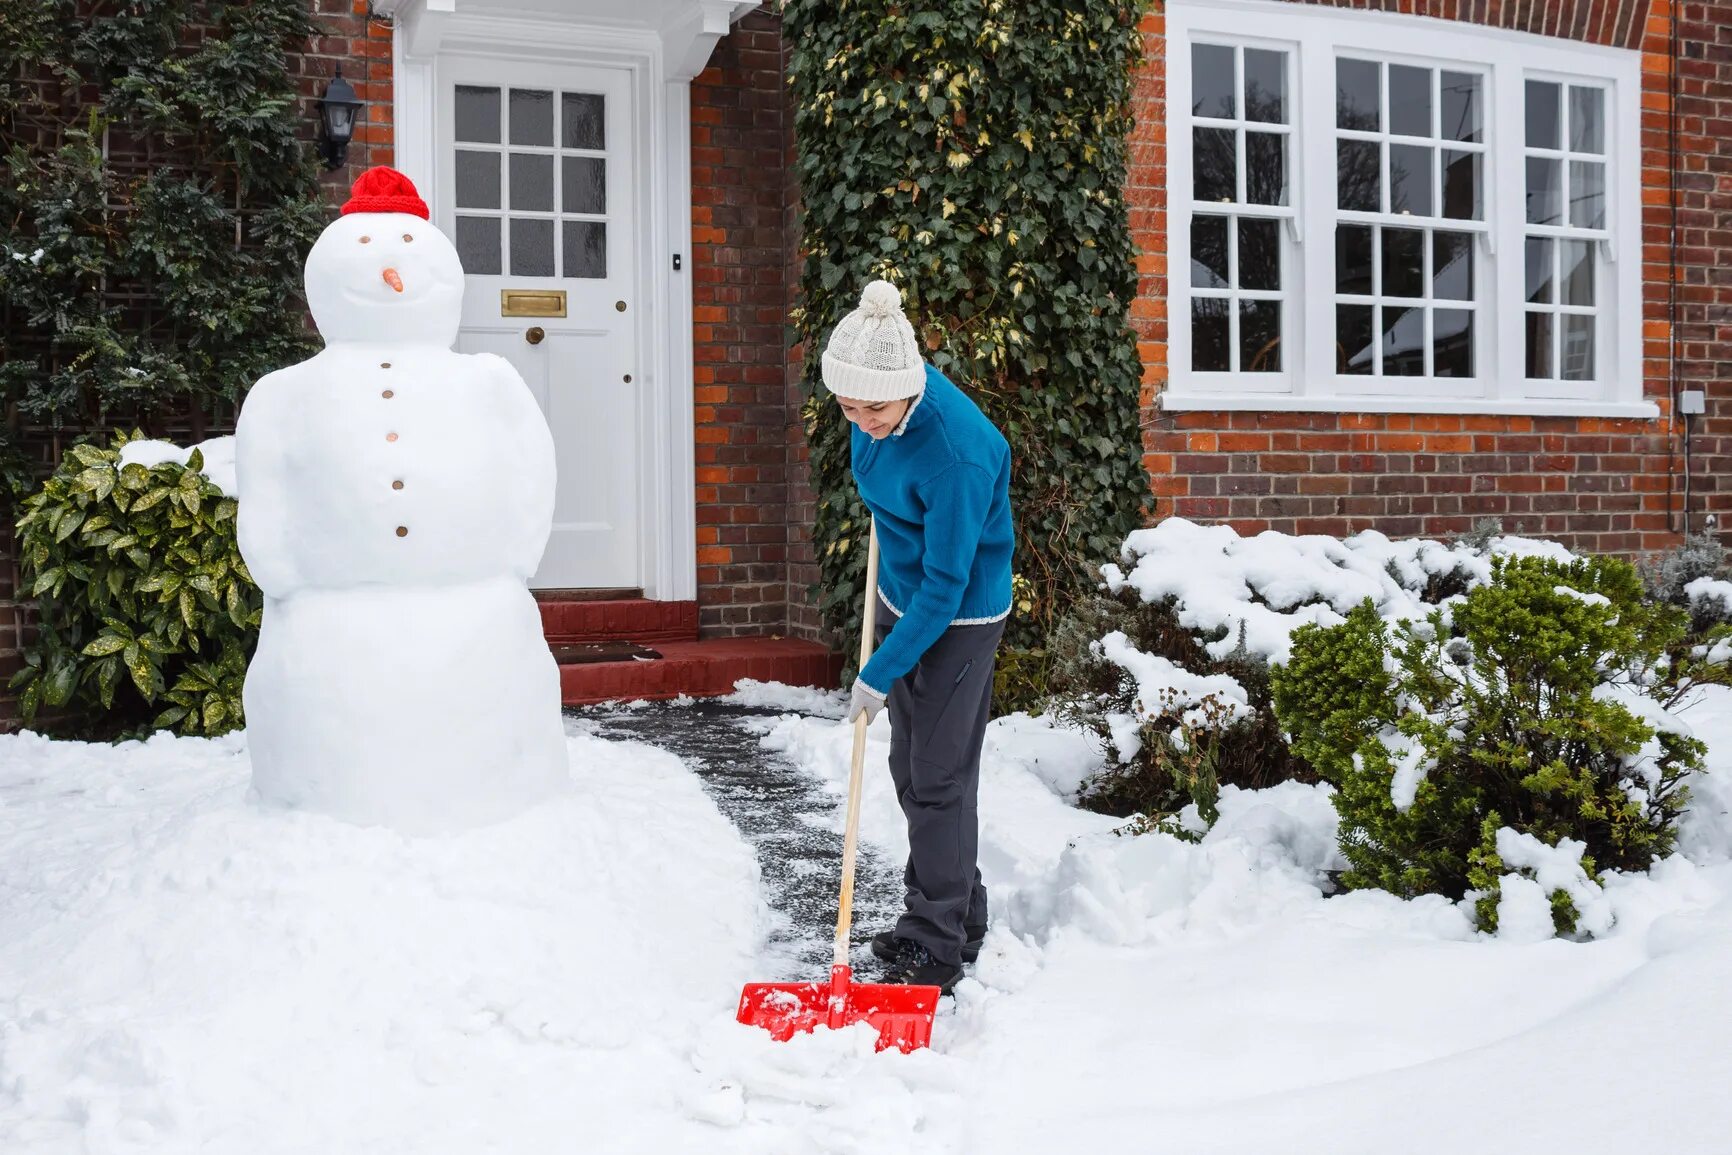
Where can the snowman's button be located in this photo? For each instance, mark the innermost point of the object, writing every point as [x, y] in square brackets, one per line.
[396, 485]
[384, 364]
[388, 394]
[390, 437]
[402, 531]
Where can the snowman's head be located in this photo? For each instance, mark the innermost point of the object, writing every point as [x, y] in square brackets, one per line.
[381, 273]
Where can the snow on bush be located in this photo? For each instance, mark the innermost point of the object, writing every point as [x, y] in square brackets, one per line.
[1470, 750]
[1169, 665]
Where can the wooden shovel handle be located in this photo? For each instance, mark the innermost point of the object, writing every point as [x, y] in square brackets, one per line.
[845, 909]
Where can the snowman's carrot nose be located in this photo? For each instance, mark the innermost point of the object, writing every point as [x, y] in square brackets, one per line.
[392, 279]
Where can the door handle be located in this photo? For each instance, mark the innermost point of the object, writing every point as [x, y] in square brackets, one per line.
[534, 334]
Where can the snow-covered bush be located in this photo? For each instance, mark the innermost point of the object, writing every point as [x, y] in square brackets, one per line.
[1695, 577]
[1528, 709]
[1169, 663]
[148, 614]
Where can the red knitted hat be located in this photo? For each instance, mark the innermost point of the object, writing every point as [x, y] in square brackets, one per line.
[385, 190]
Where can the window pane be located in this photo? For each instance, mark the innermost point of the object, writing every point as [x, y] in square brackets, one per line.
[477, 114]
[1452, 266]
[583, 123]
[1260, 336]
[1403, 341]
[1410, 179]
[1409, 100]
[1587, 194]
[1265, 86]
[1356, 94]
[1578, 273]
[1265, 168]
[1215, 159]
[1462, 200]
[531, 248]
[1451, 343]
[1578, 351]
[583, 184]
[1211, 342]
[1353, 267]
[1461, 107]
[1358, 175]
[1545, 196]
[1259, 254]
[1213, 85]
[477, 180]
[1539, 262]
[531, 117]
[478, 245]
[1539, 351]
[585, 248]
[1209, 252]
[1353, 349]
[1587, 120]
[532, 182]
[1542, 114]
[1403, 263]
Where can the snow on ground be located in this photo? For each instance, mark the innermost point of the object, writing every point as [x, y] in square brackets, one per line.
[181, 971]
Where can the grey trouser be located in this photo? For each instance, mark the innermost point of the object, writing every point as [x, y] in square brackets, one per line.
[938, 716]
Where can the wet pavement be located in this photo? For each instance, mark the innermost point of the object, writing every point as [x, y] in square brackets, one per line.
[782, 812]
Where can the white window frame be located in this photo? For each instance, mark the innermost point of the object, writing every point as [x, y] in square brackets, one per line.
[1308, 381]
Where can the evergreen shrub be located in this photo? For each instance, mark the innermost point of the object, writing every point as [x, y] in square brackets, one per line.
[148, 613]
[1532, 703]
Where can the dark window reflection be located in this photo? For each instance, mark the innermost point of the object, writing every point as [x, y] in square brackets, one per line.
[1353, 348]
[1403, 263]
[1260, 336]
[1265, 86]
[1259, 254]
[1539, 346]
[1213, 85]
[1353, 265]
[1451, 343]
[1215, 164]
[1211, 338]
[1409, 100]
[1265, 168]
[1358, 175]
[1357, 95]
[1209, 252]
[1410, 179]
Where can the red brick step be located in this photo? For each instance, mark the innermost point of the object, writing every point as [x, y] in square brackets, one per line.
[701, 669]
[571, 622]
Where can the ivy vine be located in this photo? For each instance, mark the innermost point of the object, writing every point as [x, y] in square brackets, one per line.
[155, 204]
[974, 153]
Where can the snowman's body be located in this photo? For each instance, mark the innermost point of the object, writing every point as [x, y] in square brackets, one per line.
[395, 497]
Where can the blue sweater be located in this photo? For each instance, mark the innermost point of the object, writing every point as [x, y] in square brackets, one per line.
[940, 491]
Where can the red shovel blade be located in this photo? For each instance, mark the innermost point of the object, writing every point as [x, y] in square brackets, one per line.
[902, 1015]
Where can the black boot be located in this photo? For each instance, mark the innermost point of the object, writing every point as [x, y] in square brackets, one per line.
[886, 945]
[915, 966]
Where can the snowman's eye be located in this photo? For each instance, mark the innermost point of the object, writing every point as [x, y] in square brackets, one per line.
[408, 236]
[366, 240]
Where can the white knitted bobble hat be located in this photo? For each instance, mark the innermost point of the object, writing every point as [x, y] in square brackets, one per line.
[873, 354]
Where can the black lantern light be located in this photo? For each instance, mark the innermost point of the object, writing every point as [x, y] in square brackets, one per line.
[337, 109]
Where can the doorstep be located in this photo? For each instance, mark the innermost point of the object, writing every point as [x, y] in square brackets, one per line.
[699, 669]
[567, 618]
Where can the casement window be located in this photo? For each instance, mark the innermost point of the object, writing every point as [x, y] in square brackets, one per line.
[1369, 212]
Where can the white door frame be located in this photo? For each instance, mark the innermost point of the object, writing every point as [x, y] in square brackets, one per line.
[661, 62]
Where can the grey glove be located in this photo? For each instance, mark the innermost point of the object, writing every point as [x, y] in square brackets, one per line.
[864, 700]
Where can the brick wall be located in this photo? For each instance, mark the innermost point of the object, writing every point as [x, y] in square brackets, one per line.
[362, 46]
[1598, 484]
[740, 296]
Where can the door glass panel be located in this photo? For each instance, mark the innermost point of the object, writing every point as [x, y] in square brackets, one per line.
[531, 247]
[478, 245]
[585, 248]
[584, 123]
[477, 179]
[531, 117]
[532, 182]
[477, 114]
[583, 184]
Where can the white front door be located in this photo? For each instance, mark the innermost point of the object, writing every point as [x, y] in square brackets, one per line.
[536, 193]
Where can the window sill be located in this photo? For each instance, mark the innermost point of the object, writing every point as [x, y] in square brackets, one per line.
[1197, 402]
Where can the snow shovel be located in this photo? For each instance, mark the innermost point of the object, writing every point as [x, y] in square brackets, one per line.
[902, 1015]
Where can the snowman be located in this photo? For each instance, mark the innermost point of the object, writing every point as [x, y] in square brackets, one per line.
[395, 498]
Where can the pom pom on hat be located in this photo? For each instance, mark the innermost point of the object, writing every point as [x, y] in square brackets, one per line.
[873, 354]
[385, 190]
